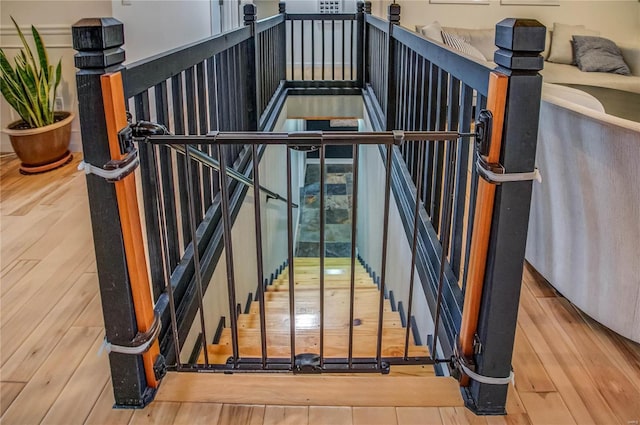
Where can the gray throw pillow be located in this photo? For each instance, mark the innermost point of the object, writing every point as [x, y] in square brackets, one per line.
[597, 54]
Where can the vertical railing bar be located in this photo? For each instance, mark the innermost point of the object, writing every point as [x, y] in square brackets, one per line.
[354, 229]
[292, 52]
[292, 301]
[453, 115]
[258, 224]
[196, 254]
[385, 234]
[313, 50]
[461, 188]
[164, 244]
[323, 48]
[322, 248]
[302, 47]
[178, 122]
[342, 25]
[414, 244]
[333, 49]
[228, 250]
[446, 229]
[352, 50]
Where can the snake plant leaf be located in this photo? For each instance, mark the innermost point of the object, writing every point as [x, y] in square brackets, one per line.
[24, 42]
[42, 52]
[30, 85]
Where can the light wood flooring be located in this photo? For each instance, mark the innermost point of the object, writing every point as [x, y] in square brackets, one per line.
[569, 369]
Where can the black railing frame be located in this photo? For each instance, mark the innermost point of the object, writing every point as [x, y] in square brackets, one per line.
[99, 41]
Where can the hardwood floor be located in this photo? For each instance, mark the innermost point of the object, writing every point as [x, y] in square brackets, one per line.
[569, 369]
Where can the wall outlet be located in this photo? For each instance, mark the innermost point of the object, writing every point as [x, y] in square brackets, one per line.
[58, 104]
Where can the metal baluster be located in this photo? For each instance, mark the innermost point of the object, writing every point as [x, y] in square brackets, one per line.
[292, 53]
[302, 47]
[196, 254]
[343, 56]
[385, 233]
[414, 244]
[167, 260]
[352, 50]
[354, 229]
[313, 50]
[446, 229]
[228, 250]
[323, 48]
[333, 49]
[322, 249]
[292, 301]
[258, 223]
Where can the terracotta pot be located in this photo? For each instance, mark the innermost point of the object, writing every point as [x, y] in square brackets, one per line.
[43, 148]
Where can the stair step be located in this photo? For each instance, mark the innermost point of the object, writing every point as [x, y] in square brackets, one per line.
[363, 306]
[280, 320]
[335, 344]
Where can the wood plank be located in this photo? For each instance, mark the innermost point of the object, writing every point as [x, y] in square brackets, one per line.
[38, 395]
[8, 392]
[418, 416]
[75, 402]
[374, 416]
[26, 360]
[311, 390]
[241, 414]
[286, 415]
[618, 391]
[14, 272]
[460, 416]
[531, 374]
[536, 283]
[198, 413]
[156, 413]
[547, 409]
[103, 411]
[330, 415]
[559, 359]
[92, 314]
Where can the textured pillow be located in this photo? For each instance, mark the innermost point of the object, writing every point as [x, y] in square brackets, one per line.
[597, 54]
[481, 39]
[460, 44]
[561, 48]
[432, 31]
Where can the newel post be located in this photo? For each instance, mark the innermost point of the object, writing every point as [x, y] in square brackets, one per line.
[393, 16]
[251, 82]
[98, 42]
[520, 42]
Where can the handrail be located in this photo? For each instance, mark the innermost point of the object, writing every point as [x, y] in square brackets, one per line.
[321, 16]
[309, 138]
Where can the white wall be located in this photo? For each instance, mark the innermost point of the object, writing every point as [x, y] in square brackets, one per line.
[155, 26]
[615, 19]
[54, 20]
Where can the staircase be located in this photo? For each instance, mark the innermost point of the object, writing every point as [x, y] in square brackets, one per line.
[307, 321]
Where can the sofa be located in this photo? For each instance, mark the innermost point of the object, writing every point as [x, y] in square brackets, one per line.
[482, 47]
[584, 226]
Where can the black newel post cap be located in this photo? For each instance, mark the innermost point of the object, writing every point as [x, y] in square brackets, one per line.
[282, 7]
[97, 34]
[394, 13]
[522, 35]
[250, 11]
[360, 7]
[367, 7]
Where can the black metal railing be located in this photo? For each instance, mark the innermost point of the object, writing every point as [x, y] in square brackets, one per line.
[235, 82]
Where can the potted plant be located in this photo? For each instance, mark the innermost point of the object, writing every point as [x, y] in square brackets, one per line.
[41, 137]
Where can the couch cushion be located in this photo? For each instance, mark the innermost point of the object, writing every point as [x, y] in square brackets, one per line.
[431, 31]
[458, 43]
[481, 39]
[569, 74]
[597, 54]
[561, 48]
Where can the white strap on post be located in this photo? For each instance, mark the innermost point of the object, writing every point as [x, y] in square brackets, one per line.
[114, 174]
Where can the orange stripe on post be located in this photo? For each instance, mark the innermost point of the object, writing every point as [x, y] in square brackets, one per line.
[496, 103]
[116, 119]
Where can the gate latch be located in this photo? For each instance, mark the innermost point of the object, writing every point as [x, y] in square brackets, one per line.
[484, 126]
[307, 363]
